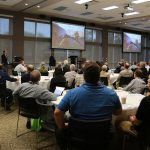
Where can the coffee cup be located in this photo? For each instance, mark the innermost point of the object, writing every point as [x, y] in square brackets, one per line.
[123, 100]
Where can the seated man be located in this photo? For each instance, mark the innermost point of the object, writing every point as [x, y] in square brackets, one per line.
[43, 69]
[5, 92]
[33, 90]
[79, 80]
[70, 75]
[137, 85]
[20, 68]
[105, 74]
[90, 101]
[125, 73]
[26, 77]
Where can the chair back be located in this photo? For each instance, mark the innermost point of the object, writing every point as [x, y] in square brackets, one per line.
[89, 134]
[2, 89]
[14, 73]
[72, 84]
[104, 80]
[125, 81]
[44, 73]
[28, 107]
[46, 112]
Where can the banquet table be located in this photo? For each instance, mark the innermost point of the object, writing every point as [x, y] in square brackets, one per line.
[130, 108]
[132, 103]
[44, 82]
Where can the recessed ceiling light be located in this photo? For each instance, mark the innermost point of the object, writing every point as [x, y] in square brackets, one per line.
[38, 6]
[131, 13]
[110, 7]
[26, 4]
[82, 1]
[139, 1]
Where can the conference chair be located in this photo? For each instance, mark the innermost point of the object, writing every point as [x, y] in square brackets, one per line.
[3, 95]
[142, 137]
[72, 84]
[44, 73]
[88, 134]
[14, 73]
[104, 80]
[47, 121]
[27, 108]
[124, 81]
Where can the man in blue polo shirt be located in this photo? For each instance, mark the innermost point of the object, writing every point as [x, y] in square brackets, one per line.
[91, 101]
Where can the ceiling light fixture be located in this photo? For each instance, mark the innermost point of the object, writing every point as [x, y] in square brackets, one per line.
[38, 6]
[128, 7]
[26, 4]
[131, 13]
[110, 7]
[82, 1]
[139, 1]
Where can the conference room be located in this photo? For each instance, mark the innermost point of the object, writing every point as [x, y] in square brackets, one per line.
[72, 31]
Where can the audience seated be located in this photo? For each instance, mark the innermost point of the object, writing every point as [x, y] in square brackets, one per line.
[26, 77]
[90, 101]
[70, 75]
[119, 67]
[4, 91]
[104, 75]
[20, 67]
[144, 71]
[125, 73]
[146, 91]
[134, 66]
[66, 67]
[79, 80]
[33, 90]
[58, 79]
[43, 70]
[137, 85]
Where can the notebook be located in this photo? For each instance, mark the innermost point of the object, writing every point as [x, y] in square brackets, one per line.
[58, 91]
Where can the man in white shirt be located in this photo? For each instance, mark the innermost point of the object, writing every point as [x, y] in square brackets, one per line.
[70, 76]
[20, 67]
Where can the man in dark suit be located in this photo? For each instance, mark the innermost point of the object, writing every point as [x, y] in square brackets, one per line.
[4, 60]
[26, 77]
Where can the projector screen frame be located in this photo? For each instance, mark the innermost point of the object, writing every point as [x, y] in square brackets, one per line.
[123, 41]
[69, 22]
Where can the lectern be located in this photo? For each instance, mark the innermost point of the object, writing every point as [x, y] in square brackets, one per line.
[73, 59]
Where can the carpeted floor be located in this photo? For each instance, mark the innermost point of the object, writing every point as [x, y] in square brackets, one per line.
[8, 140]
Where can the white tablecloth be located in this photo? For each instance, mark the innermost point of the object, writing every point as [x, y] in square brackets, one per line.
[44, 82]
[132, 103]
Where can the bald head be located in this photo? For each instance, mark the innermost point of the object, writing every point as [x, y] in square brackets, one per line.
[72, 67]
[35, 76]
[126, 65]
